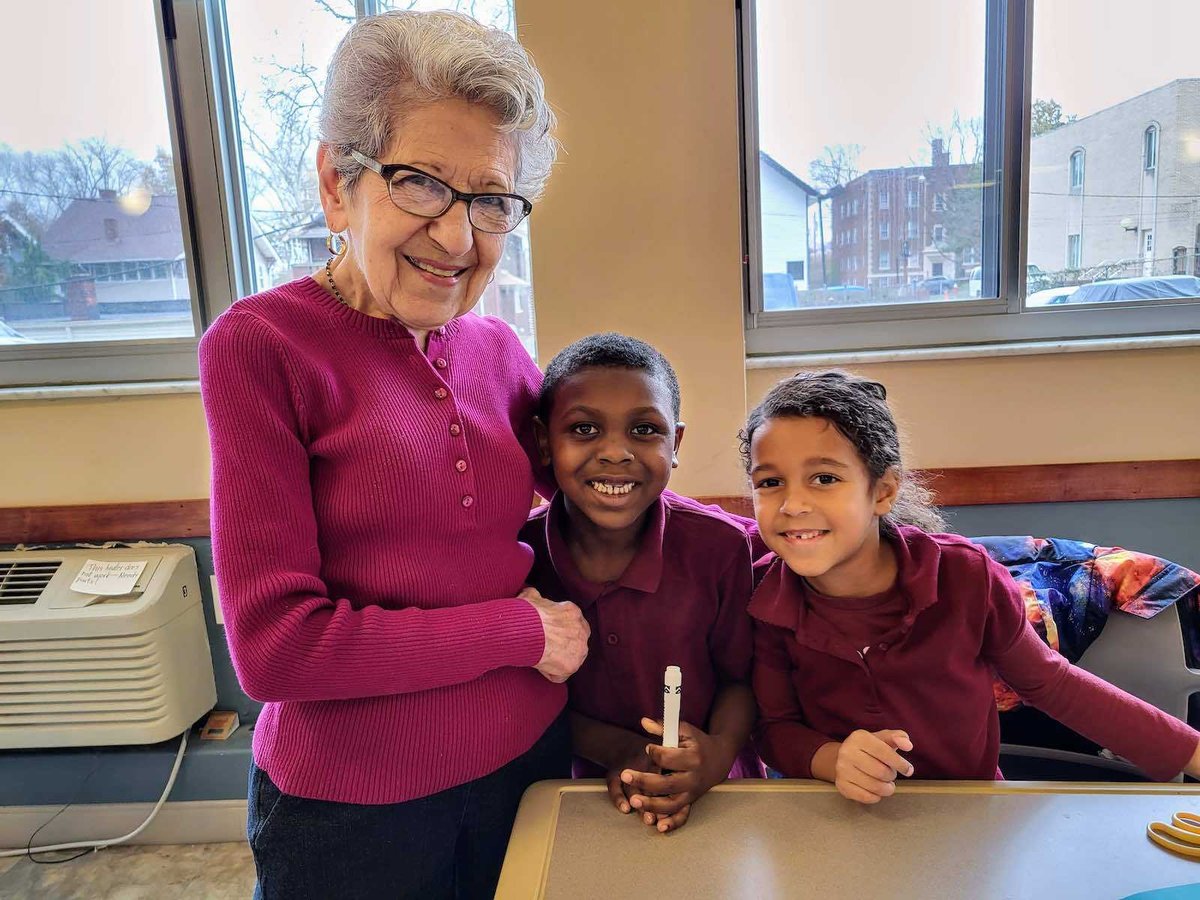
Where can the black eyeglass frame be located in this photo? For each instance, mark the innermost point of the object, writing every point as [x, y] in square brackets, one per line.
[388, 171]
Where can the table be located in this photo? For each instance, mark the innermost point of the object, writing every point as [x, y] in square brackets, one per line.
[792, 838]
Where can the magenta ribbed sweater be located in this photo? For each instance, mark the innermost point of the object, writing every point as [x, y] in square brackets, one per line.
[366, 499]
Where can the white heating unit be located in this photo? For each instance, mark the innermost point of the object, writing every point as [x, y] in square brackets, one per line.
[84, 669]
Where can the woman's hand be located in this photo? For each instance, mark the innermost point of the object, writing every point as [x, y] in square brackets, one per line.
[867, 764]
[566, 632]
[699, 762]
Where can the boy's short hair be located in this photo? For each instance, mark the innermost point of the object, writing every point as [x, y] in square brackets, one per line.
[608, 350]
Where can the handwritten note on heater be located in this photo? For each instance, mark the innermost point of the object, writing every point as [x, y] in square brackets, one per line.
[108, 578]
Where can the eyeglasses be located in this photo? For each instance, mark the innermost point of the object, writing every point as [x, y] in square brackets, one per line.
[425, 195]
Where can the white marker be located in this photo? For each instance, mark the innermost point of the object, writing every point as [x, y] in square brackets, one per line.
[672, 694]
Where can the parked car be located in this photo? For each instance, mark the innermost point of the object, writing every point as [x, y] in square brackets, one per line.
[975, 284]
[779, 291]
[1050, 296]
[1117, 290]
[937, 286]
[10, 335]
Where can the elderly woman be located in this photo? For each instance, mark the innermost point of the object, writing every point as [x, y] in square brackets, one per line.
[371, 448]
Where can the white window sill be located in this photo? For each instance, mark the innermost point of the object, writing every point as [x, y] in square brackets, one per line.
[971, 351]
[87, 391]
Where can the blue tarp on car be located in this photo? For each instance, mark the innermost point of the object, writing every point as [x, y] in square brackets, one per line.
[1162, 288]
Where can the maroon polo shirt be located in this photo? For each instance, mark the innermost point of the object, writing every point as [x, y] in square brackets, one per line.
[931, 673]
[680, 602]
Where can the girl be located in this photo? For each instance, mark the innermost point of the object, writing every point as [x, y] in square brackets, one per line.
[877, 638]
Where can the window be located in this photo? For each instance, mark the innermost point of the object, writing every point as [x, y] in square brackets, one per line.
[1076, 168]
[885, 260]
[1179, 261]
[1150, 149]
[884, 199]
[89, 208]
[101, 251]
[1149, 243]
[854, 207]
[936, 269]
[1004, 181]
[884, 230]
[795, 268]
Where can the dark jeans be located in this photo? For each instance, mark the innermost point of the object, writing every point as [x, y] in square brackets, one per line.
[448, 845]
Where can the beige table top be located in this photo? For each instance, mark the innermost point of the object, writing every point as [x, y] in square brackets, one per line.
[787, 838]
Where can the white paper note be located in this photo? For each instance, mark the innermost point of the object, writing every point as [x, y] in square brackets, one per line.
[109, 578]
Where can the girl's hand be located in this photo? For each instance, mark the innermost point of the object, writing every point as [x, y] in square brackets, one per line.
[867, 764]
[700, 761]
[566, 632]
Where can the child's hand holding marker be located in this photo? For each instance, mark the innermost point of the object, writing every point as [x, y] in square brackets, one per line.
[700, 762]
[864, 766]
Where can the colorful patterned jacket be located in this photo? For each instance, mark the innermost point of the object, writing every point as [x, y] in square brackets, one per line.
[1070, 587]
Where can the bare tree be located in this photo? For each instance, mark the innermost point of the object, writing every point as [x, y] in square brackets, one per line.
[836, 166]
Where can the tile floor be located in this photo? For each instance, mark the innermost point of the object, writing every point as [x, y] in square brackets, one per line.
[150, 872]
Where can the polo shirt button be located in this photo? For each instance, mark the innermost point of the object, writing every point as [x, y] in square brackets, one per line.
[440, 363]
[883, 647]
[455, 430]
[440, 393]
[461, 465]
[467, 500]
[613, 640]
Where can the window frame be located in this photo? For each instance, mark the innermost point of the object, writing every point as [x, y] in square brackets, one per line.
[999, 315]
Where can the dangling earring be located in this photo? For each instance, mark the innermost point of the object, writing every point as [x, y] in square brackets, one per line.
[336, 245]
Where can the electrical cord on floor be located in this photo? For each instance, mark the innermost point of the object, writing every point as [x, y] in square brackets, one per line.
[95, 846]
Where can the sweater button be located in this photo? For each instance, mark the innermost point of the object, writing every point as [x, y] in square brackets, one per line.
[455, 430]
[440, 363]
[613, 640]
[440, 393]
[461, 465]
[467, 500]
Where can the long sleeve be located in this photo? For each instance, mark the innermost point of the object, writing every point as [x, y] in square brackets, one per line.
[290, 639]
[1154, 741]
[784, 741]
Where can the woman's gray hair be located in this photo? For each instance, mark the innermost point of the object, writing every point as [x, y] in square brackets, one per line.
[390, 64]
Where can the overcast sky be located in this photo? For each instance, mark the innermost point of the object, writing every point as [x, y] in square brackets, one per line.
[871, 72]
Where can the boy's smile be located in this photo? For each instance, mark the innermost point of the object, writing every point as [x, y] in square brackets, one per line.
[611, 441]
[818, 508]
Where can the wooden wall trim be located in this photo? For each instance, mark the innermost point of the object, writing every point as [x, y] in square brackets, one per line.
[1068, 482]
[160, 520]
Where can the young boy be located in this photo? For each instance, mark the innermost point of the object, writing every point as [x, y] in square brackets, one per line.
[661, 580]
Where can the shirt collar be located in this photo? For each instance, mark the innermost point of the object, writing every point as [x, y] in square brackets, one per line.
[779, 598]
[644, 572]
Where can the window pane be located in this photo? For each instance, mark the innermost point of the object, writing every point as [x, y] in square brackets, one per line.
[1114, 180]
[89, 218]
[867, 132]
[279, 62]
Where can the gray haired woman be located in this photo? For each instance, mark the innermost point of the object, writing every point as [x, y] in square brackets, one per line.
[372, 464]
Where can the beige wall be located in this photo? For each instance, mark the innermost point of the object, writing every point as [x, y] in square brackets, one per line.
[640, 232]
[1017, 410]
